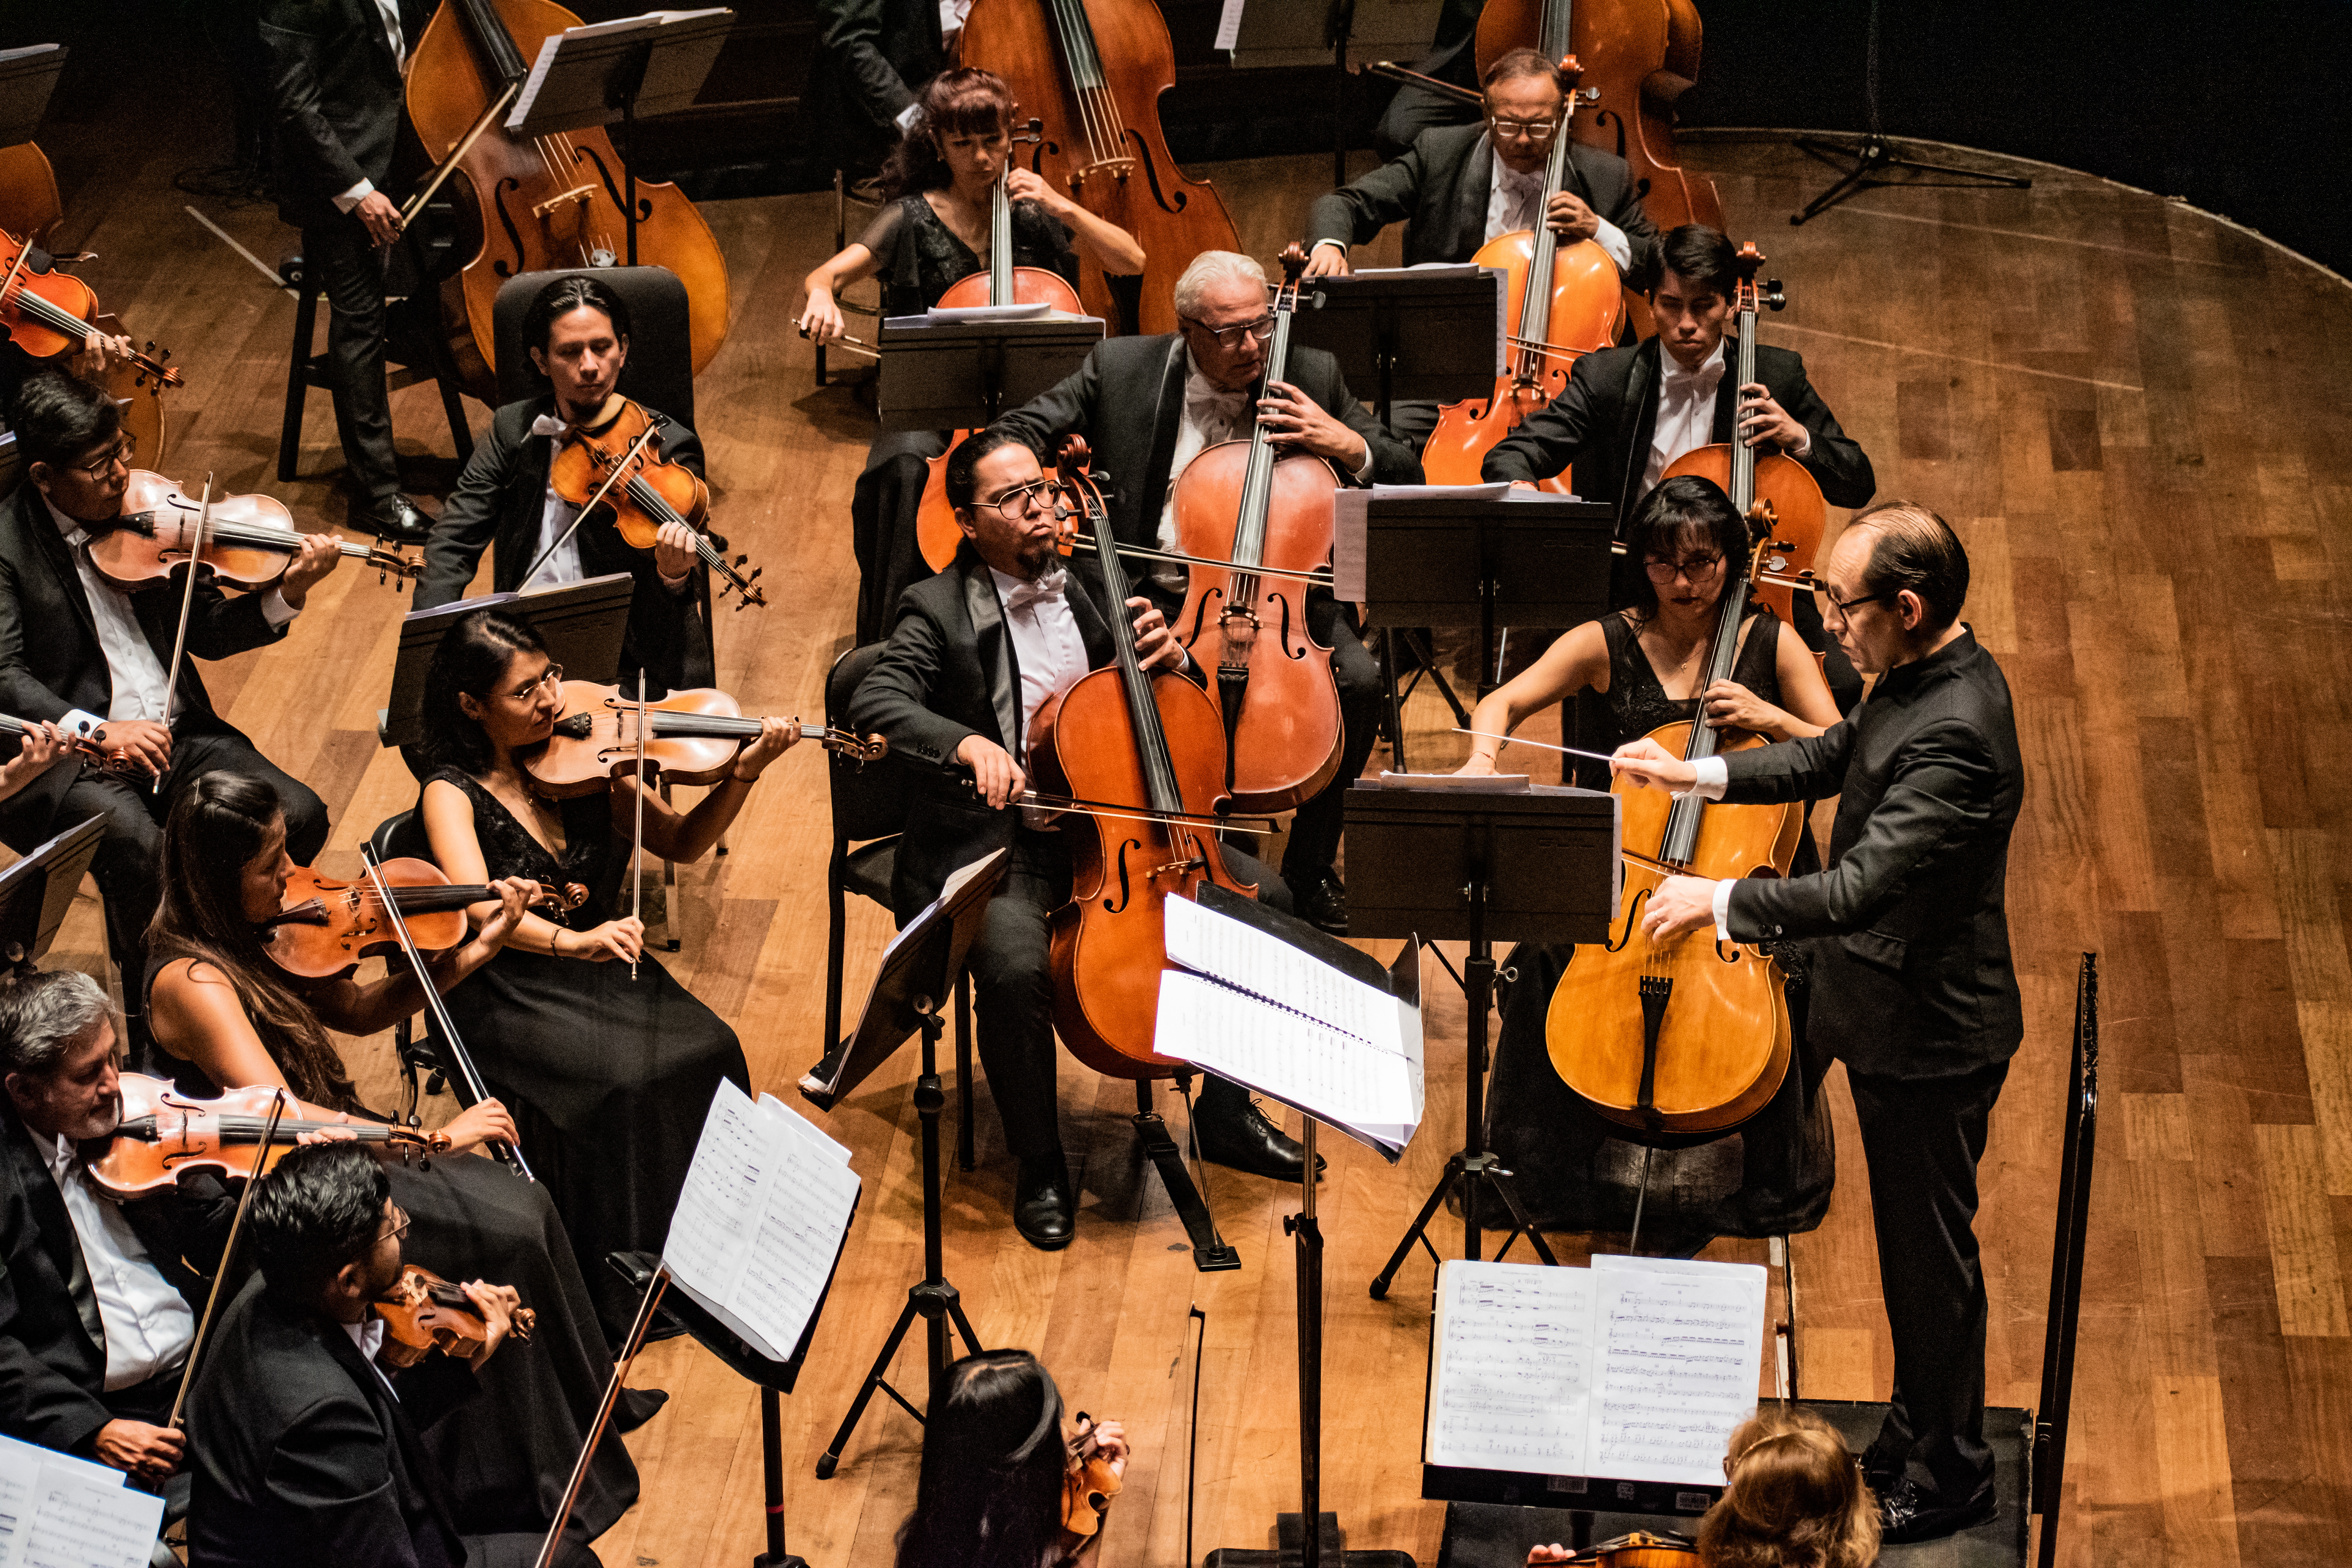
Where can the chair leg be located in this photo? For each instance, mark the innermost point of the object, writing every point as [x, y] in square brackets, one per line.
[964, 1156]
[297, 375]
[669, 887]
[834, 936]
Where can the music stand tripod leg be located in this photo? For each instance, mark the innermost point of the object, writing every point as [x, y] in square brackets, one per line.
[771, 1459]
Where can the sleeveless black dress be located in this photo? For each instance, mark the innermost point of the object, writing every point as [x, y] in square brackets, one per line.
[1574, 1170]
[609, 1079]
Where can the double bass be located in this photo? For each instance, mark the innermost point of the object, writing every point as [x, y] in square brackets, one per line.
[1097, 68]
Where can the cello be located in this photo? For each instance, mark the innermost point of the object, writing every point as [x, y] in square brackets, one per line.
[1120, 735]
[541, 204]
[1100, 66]
[1583, 309]
[1238, 504]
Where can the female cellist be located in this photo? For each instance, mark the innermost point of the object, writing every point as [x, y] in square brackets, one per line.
[225, 1018]
[1632, 671]
[932, 233]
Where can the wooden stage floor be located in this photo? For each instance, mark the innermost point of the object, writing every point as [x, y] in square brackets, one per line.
[2123, 405]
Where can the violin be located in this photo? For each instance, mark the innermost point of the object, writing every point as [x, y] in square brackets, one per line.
[424, 1312]
[691, 737]
[1154, 739]
[328, 926]
[1098, 68]
[1241, 503]
[621, 466]
[51, 313]
[163, 1132]
[88, 747]
[1088, 1485]
[1640, 1550]
[936, 534]
[1567, 301]
[245, 542]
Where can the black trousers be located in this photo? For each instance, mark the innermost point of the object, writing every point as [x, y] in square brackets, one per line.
[351, 273]
[1314, 843]
[883, 510]
[1923, 1137]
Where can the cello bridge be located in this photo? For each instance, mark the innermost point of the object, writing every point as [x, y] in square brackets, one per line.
[582, 195]
[1179, 868]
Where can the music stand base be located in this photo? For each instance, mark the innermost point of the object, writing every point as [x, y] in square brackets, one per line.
[1874, 156]
[1481, 1170]
[1211, 1254]
[1290, 1541]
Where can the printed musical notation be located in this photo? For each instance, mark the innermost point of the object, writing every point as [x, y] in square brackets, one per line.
[1515, 1365]
[58, 1511]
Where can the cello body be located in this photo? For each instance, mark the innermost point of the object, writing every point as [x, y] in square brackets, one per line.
[1095, 69]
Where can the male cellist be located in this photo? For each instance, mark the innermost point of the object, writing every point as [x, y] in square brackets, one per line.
[1912, 987]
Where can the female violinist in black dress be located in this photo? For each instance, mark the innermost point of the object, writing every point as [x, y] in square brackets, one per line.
[933, 232]
[226, 1018]
[1630, 673]
[609, 1078]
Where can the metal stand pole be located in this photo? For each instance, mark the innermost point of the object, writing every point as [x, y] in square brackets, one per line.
[772, 1458]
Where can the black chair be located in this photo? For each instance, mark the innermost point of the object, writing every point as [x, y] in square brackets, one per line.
[421, 1067]
[416, 348]
[660, 370]
[870, 811]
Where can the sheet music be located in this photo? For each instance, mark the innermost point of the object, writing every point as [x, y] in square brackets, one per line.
[648, 22]
[1329, 1075]
[1680, 1345]
[82, 1522]
[1247, 958]
[1513, 1388]
[1229, 25]
[1461, 784]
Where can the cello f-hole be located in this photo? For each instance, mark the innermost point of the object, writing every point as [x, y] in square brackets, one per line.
[1125, 888]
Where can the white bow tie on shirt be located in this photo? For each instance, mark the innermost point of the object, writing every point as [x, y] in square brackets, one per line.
[1045, 589]
[549, 424]
[1221, 416]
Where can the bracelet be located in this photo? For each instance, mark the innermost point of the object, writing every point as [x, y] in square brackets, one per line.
[555, 946]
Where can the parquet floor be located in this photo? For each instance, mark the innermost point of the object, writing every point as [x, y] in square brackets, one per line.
[2125, 407]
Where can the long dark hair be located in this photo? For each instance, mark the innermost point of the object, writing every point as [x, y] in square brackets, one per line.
[966, 101]
[988, 1495]
[1680, 513]
[471, 660]
[216, 829]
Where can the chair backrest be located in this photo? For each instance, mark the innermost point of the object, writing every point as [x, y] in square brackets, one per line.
[402, 838]
[660, 369]
[869, 802]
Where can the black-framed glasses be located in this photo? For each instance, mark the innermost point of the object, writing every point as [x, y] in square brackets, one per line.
[1698, 568]
[1845, 608]
[121, 452]
[1535, 131]
[551, 676]
[1230, 337]
[401, 1219]
[1012, 505]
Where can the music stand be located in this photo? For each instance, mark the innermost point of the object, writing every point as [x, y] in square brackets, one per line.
[36, 890]
[958, 375]
[654, 64]
[1292, 34]
[581, 623]
[1534, 865]
[28, 77]
[1428, 334]
[919, 968]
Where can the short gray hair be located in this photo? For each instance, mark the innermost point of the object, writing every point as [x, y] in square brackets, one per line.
[1208, 269]
[42, 1014]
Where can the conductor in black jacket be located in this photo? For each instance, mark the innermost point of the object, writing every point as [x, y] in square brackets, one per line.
[577, 331]
[874, 56]
[304, 1448]
[1148, 407]
[335, 72]
[1908, 938]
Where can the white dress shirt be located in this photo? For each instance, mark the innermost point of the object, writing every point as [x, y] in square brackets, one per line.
[1515, 201]
[368, 1335]
[1045, 641]
[389, 10]
[1685, 410]
[148, 1325]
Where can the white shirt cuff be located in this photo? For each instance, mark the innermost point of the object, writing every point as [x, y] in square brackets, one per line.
[1805, 447]
[276, 610]
[80, 721]
[1339, 245]
[351, 198]
[907, 117]
[1723, 909]
[1612, 239]
[1364, 470]
[1712, 778]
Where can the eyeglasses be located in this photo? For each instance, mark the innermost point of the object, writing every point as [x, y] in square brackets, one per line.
[1535, 131]
[122, 452]
[1015, 504]
[1698, 568]
[1844, 608]
[1230, 337]
[551, 676]
[400, 1224]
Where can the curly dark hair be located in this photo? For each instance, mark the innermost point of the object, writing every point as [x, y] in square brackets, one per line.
[967, 101]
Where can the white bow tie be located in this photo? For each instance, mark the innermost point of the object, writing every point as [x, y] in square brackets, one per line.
[1221, 415]
[549, 424]
[1044, 590]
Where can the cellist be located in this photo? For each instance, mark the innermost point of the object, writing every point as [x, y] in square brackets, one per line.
[976, 651]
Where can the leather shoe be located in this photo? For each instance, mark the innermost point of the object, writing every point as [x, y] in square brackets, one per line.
[1233, 1134]
[1881, 1470]
[1907, 1513]
[398, 521]
[1045, 1210]
[1320, 901]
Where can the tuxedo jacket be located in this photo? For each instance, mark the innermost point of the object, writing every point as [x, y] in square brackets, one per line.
[51, 661]
[1603, 421]
[873, 57]
[498, 506]
[1439, 191]
[301, 1455]
[1911, 971]
[335, 93]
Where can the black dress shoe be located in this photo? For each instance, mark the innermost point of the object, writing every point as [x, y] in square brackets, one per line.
[1906, 1513]
[1881, 1470]
[1319, 900]
[1233, 1134]
[398, 521]
[1044, 1209]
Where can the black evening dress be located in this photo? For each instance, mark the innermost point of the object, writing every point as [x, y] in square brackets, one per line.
[609, 1079]
[1574, 1170]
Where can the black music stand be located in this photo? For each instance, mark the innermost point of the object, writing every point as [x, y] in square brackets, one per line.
[958, 375]
[581, 623]
[2048, 1466]
[1430, 333]
[1297, 34]
[28, 77]
[919, 969]
[619, 71]
[37, 890]
[1533, 865]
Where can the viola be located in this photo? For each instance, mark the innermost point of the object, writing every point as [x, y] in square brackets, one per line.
[51, 313]
[1088, 1485]
[164, 1133]
[621, 466]
[691, 737]
[424, 1312]
[327, 926]
[87, 747]
[1156, 740]
[245, 542]
[1240, 503]
[936, 534]
[1096, 67]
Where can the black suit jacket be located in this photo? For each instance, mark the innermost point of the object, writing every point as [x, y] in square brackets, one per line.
[498, 505]
[303, 1457]
[335, 91]
[1911, 971]
[51, 661]
[1602, 424]
[1439, 190]
[873, 57]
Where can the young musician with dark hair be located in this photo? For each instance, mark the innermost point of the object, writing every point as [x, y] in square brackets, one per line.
[576, 331]
[1906, 933]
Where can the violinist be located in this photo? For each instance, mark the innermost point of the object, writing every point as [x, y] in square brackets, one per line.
[932, 233]
[226, 1018]
[1907, 936]
[305, 1449]
[77, 651]
[977, 651]
[609, 1075]
[1630, 673]
[577, 332]
[1148, 407]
